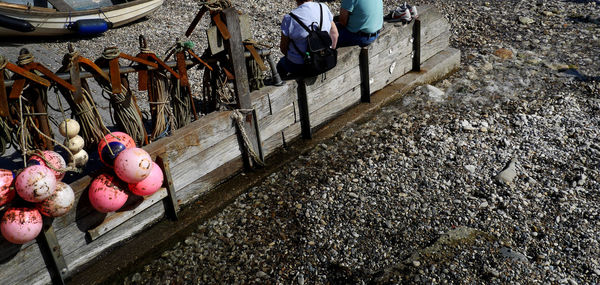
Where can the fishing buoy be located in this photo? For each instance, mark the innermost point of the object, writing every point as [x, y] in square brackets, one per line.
[75, 144]
[59, 203]
[69, 128]
[133, 165]
[35, 183]
[116, 136]
[7, 191]
[89, 27]
[107, 193]
[20, 225]
[110, 152]
[80, 158]
[56, 160]
[150, 184]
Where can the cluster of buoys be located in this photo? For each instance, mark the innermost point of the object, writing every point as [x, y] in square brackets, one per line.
[39, 183]
[133, 168]
[69, 128]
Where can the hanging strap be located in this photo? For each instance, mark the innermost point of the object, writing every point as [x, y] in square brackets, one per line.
[304, 26]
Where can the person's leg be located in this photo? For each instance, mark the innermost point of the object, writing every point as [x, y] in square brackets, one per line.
[288, 69]
[365, 41]
[346, 38]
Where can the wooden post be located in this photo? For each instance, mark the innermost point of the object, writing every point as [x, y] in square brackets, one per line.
[235, 48]
[303, 108]
[170, 202]
[416, 66]
[52, 253]
[365, 89]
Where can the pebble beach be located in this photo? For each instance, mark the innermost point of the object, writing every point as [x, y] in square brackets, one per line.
[489, 176]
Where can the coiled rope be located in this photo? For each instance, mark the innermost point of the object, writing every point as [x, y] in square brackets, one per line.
[86, 113]
[125, 115]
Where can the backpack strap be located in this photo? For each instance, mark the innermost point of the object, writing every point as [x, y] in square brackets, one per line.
[304, 26]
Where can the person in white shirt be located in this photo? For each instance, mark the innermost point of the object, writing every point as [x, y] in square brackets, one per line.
[309, 12]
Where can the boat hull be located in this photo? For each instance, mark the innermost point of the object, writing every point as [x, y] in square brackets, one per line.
[57, 23]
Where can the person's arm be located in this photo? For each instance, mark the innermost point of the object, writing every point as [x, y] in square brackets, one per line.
[284, 44]
[343, 18]
[333, 33]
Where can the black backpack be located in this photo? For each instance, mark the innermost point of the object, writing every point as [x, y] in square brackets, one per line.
[319, 56]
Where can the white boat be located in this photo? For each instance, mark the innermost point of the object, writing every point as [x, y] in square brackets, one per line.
[63, 17]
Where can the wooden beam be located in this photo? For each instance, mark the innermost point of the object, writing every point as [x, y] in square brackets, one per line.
[235, 49]
[363, 63]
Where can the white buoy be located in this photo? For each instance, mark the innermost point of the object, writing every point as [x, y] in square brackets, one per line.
[69, 128]
[75, 144]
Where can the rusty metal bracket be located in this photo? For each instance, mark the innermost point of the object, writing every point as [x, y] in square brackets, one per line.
[221, 26]
[52, 253]
[170, 202]
[196, 20]
[256, 56]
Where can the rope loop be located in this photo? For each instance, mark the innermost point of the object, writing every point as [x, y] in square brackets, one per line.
[3, 62]
[111, 53]
[238, 117]
[25, 58]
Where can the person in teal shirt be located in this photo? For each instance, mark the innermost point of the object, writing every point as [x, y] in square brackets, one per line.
[359, 22]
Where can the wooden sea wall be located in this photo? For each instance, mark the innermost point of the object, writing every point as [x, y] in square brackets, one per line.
[207, 152]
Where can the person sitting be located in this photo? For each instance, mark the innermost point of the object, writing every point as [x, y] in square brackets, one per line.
[293, 42]
[359, 22]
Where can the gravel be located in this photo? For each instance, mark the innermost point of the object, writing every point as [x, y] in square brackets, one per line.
[494, 181]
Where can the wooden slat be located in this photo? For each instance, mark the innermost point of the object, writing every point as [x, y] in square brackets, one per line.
[61, 5]
[338, 87]
[273, 124]
[206, 161]
[115, 219]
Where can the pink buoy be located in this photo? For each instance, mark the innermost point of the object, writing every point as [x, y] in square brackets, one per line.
[112, 145]
[107, 193]
[55, 159]
[133, 165]
[7, 191]
[60, 203]
[150, 184]
[35, 183]
[20, 225]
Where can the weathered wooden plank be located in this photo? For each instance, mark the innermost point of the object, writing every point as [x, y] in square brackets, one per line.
[82, 252]
[260, 100]
[284, 96]
[205, 162]
[196, 189]
[271, 144]
[347, 59]
[291, 133]
[25, 259]
[194, 138]
[337, 87]
[114, 219]
[388, 71]
[335, 107]
[273, 124]
[435, 45]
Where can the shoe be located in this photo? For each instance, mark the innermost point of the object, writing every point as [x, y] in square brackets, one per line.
[400, 14]
[413, 11]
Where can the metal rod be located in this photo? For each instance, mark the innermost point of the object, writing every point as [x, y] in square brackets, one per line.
[135, 68]
[275, 77]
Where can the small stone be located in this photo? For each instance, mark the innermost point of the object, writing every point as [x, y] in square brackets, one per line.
[507, 175]
[300, 279]
[503, 53]
[261, 274]
[511, 254]
[416, 263]
[466, 125]
[137, 277]
[471, 168]
[526, 20]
